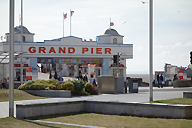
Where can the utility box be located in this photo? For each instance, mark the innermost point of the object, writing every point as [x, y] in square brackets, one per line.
[133, 86]
[110, 84]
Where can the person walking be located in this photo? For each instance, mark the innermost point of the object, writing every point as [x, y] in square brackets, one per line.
[55, 75]
[85, 79]
[175, 77]
[161, 81]
[158, 80]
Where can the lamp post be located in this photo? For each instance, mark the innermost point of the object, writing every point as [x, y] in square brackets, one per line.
[151, 49]
[21, 76]
[11, 58]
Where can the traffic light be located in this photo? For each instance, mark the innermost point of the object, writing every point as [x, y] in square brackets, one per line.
[114, 59]
[191, 57]
[118, 60]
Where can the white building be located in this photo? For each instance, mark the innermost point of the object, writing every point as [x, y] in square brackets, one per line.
[69, 54]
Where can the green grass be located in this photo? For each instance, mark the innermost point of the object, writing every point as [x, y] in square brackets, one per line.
[109, 121]
[18, 95]
[115, 121]
[10, 122]
[184, 101]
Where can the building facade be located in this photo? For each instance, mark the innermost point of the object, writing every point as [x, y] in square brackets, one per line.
[69, 56]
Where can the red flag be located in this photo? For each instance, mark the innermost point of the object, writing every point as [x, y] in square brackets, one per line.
[111, 24]
[72, 13]
[65, 15]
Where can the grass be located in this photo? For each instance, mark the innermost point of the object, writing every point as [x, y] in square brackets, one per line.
[109, 121]
[18, 95]
[10, 122]
[184, 101]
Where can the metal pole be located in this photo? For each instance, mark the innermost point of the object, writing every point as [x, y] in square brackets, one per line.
[70, 22]
[21, 78]
[11, 59]
[63, 24]
[151, 49]
[118, 63]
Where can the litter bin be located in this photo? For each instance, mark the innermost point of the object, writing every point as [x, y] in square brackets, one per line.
[133, 86]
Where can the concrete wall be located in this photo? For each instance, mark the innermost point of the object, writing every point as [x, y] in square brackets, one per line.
[137, 109]
[50, 93]
[43, 109]
[140, 109]
[182, 83]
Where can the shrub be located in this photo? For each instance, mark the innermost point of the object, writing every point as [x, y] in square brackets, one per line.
[78, 85]
[51, 87]
[69, 86]
[26, 85]
[54, 82]
[62, 86]
[89, 88]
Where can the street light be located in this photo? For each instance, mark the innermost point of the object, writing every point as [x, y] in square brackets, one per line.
[151, 49]
[11, 58]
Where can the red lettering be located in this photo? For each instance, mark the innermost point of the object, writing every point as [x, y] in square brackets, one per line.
[32, 49]
[84, 50]
[98, 51]
[60, 49]
[42, 49]
[91, 50]
[107, 50]
[52, 50]
[71, 50]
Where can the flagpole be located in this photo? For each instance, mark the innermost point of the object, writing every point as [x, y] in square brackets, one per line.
[110, 23]
[21, 75]
[19, 19]
[70, 22]
[63, 24]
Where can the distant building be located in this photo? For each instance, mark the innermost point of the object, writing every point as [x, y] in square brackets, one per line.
[171, 70]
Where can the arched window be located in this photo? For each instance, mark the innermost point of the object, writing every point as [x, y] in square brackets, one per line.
[23, 38]
[115, 40]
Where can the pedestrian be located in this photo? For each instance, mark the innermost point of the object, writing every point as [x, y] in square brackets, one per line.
[158, 80]
[60, 78]
[42, 68]
[55, 75]
[50, 76]
[80, 77]
[18, 77]
[161, 81]
[93, 81]
[175, 77]
[85, 79]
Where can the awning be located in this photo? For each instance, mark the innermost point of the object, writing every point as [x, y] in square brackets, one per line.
[4, 56]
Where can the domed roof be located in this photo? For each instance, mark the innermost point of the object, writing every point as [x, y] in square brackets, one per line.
[18, 30]
[111, 32]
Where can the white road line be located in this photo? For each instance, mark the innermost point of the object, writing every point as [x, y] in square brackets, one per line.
[69, 124]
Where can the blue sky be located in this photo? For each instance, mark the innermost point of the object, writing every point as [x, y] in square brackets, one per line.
[172, 25]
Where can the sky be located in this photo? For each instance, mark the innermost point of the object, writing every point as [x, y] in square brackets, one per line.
[172, 41]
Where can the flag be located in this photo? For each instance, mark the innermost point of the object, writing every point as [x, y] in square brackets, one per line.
[111, 24]
[65, 15]
[5, 37]
[72, 13]
[1, 37]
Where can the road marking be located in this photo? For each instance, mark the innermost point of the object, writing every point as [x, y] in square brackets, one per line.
[69, 124]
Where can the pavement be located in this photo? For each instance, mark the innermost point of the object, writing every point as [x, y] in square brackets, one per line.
[141, 97]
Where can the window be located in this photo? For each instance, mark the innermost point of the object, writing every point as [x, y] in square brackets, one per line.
[115, 40]
[23, 38]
